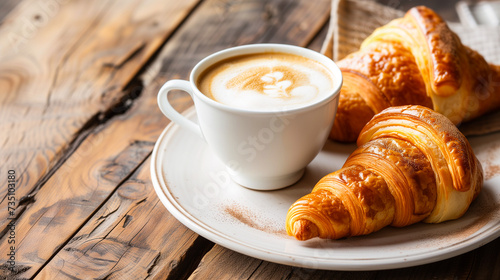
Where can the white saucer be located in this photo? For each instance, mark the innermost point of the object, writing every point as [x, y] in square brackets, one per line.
[194, 187]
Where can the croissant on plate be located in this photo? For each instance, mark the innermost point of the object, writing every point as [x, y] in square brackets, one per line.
[412, 165]
[414, 60]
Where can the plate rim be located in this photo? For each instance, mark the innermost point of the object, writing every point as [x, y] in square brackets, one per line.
[313, 262]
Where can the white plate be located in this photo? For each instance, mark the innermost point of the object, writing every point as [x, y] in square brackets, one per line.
[195, 188]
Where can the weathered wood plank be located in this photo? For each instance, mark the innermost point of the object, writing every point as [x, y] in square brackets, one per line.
[62, 204]
[237, 22]
[60, 68]
[5, 7]
[482, 263]
[132, 237]
[80, 186]
[226, 264]
[141, 123]
[317, 41]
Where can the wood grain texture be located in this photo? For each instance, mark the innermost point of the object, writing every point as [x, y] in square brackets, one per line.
[75, 191]
[109, 43]
[230, 265]
[84, 210]
[482, 263]
[6, 7]
[64, 66]
[132, 237]
[103, 243]
[249, 268]
[231, 23]
[317, 42]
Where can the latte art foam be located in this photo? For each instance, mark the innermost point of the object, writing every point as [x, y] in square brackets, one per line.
[267, 81]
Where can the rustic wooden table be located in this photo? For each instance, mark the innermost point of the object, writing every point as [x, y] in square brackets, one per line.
[78, 118]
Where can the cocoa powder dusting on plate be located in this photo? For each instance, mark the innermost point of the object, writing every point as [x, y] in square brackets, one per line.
[251, 219]
[490, 164]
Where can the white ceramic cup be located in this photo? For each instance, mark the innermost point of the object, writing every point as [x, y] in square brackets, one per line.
[261, 150]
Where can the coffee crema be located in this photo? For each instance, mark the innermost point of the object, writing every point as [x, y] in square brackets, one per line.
[266, 81]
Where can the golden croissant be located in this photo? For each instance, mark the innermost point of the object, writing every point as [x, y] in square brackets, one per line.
[412, 164]
[414, 60]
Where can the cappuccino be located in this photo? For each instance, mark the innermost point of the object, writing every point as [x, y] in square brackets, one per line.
[266, 81]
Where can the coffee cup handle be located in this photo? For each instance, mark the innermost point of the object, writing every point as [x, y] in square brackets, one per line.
[169, 111]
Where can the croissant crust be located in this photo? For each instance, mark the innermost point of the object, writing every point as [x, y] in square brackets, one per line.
[414, 60]
[412, 165]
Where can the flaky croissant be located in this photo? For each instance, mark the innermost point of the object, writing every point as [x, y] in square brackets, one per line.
[412, 165]
[414, 60]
